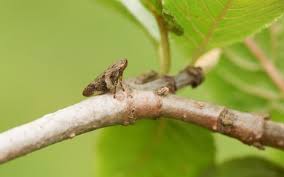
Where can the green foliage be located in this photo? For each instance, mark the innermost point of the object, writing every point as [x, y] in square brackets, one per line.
[208, 24]
[238, 82]
[172, 24]
[246, 167]
[83, 44]
[49, 51]
[138, 11]
[241, 72]
[153, 5]
[156, 8]
[154, 148]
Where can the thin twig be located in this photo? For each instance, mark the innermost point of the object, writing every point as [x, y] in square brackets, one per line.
[135, 104]
[266, 64]
[164, 46]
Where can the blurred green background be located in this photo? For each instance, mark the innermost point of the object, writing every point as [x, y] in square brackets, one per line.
[49, 50]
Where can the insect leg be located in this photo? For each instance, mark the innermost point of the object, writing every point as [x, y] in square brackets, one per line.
[120, 83]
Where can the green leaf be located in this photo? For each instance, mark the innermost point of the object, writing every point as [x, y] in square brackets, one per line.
[241, 73]
[240, 82]
[154, 148]
[172, 24]
[155, 6]
[135, 8]
[246, 167]
[157, 10]
[209, 24]
[206, 24]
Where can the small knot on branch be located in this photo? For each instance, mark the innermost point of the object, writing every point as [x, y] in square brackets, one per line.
[191, 75]
[196, 73]
[248, 128]
[170, 83]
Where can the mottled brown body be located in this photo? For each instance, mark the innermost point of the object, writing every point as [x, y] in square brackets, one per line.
[108, 80]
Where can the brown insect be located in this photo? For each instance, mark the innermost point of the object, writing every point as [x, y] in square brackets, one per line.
[108, 81]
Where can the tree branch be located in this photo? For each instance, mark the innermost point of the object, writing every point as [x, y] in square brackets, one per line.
[135, 104]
